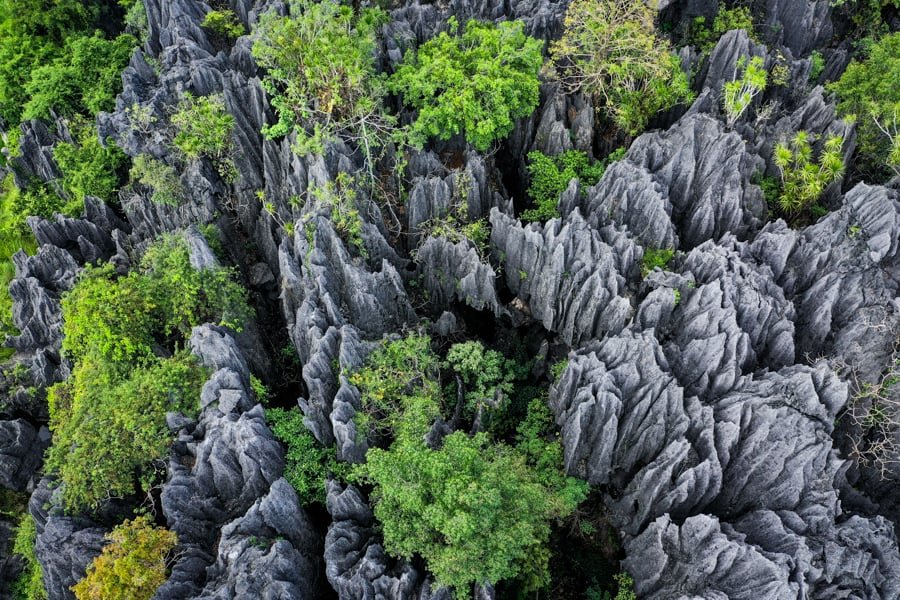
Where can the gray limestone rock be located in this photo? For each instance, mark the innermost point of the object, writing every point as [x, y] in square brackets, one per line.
[21, 452]
[570, 275]
[680, 187]
[456, 273]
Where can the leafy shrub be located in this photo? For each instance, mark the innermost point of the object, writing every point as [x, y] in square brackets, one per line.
[656, 257]
[30, 584]
[738, 94]
[109, 427]
[223, 23]
[204, 126]
[456, 225]
[132, 566]
[85, 78]
[340, 197]
[867, 91]
[308, 464]
[477, 511]
[487, 376]
[550, 176]
[401, 372]
[136, 18]
[159, 176]
[108, 418]
[477, 83]
[816, 66]
[88, 167]
[802, 179]
[609, 50]
[726, 19]
[320, 74]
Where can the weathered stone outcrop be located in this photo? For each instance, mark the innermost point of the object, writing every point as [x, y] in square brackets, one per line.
[571, 277]
[679, 188]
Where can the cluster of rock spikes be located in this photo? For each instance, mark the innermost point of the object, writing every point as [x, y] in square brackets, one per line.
[703, 400]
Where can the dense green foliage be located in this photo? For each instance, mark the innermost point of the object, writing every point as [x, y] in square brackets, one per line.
[160, 177]
[476, 83]
[30, 584]
[656, 257]
[51, 57]
[738, 94]
[223, 23]
[132, 566]
[307, 463]
[108, 418]
[83, 80]
[869, 90]
[32, 34]
[705, 37]
[320, 75]
[550, 176]
[487, 377]
[803, 179]
[609, 50]
[88, 167]
[204, 126]
[477, 510]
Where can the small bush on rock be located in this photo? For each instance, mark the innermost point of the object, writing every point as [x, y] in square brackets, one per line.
[738, 94]
[476, 83]
[160, 177]
[656, 257]
[132, 566]
[223, 23]
[803, 178]
[308, 464]
[550, 176]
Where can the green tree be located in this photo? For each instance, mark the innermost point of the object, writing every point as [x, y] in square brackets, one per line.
[726, 19]
[869, 92]
[223, 23]
[610, 51]
[32, 33]
[123, 334]
[89, 168]
[321, 77]
[84, 79]
[478, 511]
[477, 83]
[132, 566]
